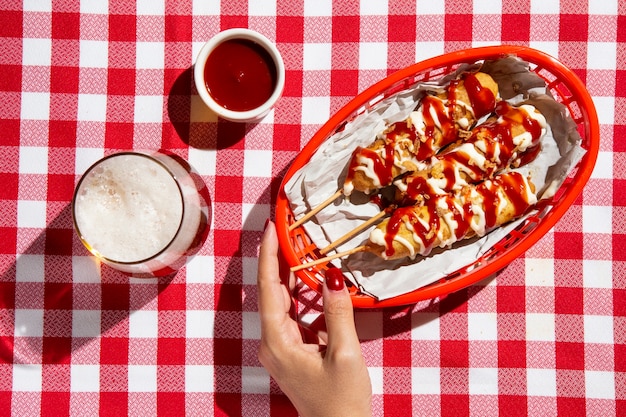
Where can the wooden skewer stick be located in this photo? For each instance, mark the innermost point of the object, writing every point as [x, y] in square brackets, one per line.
[316, 210]
[354, 232]
[329, 258]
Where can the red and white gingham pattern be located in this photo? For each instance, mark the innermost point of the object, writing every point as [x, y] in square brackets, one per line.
[547, 335]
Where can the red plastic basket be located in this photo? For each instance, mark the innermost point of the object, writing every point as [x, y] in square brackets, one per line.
[566, 88]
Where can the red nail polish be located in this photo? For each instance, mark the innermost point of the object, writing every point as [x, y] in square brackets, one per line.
[334, 279]
[267, 221]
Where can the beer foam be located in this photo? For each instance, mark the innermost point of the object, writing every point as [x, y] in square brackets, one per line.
[128, 208]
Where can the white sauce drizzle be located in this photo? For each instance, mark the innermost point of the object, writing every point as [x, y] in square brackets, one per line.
[525, 140]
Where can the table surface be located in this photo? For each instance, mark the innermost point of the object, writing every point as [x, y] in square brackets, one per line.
[546, 335]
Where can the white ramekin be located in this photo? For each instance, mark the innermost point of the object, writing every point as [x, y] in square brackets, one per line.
[246, 34]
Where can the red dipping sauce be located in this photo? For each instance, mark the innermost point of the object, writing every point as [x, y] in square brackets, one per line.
[240, 75]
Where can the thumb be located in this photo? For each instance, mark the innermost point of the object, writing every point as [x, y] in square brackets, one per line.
[339, 314]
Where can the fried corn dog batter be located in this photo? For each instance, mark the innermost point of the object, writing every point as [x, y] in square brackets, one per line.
[438, 121]
[445, 219]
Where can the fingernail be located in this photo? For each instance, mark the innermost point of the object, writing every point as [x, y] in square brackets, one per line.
[334, 279]
[267, 221]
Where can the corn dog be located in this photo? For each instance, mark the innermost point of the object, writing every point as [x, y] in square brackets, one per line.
[445, 219]
[437, 121]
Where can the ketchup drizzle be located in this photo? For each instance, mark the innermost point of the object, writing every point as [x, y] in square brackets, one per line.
[383, 166]
[481, 98]
[432, 105]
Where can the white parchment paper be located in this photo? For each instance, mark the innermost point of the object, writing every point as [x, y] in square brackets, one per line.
[324, 174]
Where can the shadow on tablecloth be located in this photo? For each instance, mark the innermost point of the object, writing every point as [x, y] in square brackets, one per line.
[194, 123]
[241, 385]
[56, 298]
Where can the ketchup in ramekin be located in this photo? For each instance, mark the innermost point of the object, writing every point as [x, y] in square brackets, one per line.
[240, 75]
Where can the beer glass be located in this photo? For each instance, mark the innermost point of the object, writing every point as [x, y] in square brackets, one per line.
[140, 212]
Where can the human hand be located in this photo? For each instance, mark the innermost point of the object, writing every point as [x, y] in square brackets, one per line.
[320, 380]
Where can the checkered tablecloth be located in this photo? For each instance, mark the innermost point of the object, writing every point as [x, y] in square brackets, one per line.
[545, 336]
